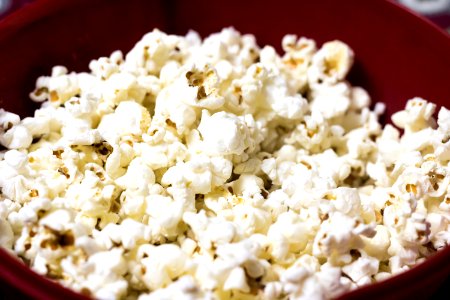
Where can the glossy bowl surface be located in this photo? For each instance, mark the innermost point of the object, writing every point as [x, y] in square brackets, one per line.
[398, 55]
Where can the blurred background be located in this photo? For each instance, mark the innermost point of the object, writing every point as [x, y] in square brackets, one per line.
[438, 11]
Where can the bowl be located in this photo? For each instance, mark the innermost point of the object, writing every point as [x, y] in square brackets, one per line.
[398, 55]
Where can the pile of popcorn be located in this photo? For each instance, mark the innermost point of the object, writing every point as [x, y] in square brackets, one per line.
[217, 169]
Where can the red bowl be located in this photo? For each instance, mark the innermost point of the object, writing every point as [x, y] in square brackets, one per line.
[398, 55]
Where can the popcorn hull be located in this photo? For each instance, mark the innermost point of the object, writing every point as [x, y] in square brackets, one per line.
[398, 56]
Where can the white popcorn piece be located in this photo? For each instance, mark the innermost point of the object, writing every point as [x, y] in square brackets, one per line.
[106, 282]
[209, 232]
[163, 264]
[339, 234]
[416, 116]
[129, 233]
[164, 213]
[129, 118]
[233, 135]
[331, 101]
[152, 52]
[236, 281]
[289, 232]
[18, 137]
[58, 220]
[104, 67]
[359, 98]
[331, 63]
[8, 120]
[444, 119]
[15, 159]
[332, 281]
[184, 288]
[6, 234]
[273, 290]
[378, 245]
[360, 268]
[137, 178]
[347, 201]
[57, 88]
[202, 87]
[201, 173]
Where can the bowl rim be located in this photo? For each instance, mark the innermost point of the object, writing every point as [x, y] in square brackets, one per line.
[19, 276]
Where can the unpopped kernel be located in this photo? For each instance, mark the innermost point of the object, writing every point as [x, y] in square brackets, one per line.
[217, 169]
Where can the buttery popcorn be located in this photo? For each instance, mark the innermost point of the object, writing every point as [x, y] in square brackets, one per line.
[216, 169]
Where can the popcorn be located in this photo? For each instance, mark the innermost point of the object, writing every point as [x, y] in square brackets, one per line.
[18, 137]
[236, 281]
[104, 67]
[204, 84]
[15, 159]
[8, 120]
[137, 178]
[347, 201]
[152, 52]
[106, 280]
[216, 169]
[359, 98]
[30, 211]
[202, 173]
[57, 88]
[184, 288]
[288, 233]
[361, 268]
[331, 101]
[129, 118]
[332, 282]
[339, 234]
[164, 213]
[91, 196]
[6, 234]
[331, 63]
[444, 119]
[163, 264]
[129, 233]
[299, 52]
[210, 232]
[416, 116]
[57, 220]
[173, 113]
[378, 245]
[233, 137]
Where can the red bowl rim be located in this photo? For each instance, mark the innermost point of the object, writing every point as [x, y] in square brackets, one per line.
[20, 276]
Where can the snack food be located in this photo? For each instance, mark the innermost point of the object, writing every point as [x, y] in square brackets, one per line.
[217, 169]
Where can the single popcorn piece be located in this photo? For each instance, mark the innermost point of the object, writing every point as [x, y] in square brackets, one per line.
[6, 234]
[129, 118]
[416, 116]
[58, 220]
[223, 133]
[216, 169]
[331, 101]
[18, 137]
[163, 264]
[331, 63]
